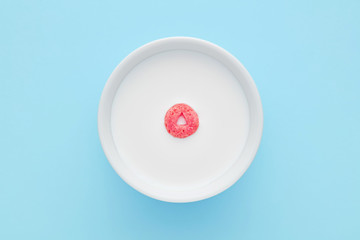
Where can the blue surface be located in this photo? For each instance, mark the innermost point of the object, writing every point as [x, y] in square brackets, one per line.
[55, 182]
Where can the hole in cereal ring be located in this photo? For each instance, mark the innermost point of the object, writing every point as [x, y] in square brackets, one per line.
[181, 120]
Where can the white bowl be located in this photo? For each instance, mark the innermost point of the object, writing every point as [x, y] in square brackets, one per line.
[192, 190]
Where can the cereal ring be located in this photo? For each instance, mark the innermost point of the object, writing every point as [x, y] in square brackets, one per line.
[181, 130]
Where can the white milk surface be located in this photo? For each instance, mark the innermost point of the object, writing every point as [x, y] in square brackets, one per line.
[140, 105]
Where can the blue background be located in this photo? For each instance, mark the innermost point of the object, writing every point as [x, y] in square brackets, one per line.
[55, 182]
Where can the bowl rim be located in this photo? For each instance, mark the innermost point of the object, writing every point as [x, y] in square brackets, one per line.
[234, 173]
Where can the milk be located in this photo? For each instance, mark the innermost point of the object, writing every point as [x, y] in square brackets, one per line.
[140, 105]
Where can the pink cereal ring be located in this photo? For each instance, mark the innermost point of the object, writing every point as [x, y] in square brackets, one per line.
[172, 117]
